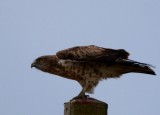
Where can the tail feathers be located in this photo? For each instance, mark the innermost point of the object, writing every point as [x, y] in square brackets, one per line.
[138, 67]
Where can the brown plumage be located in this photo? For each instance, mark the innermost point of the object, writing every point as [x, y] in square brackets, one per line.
[90, 64]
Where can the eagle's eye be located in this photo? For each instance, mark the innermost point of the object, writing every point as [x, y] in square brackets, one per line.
[39, 60]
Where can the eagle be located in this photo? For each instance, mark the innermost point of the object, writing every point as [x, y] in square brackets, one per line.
[90, 64]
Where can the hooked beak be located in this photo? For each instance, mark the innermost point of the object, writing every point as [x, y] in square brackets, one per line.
[33, 64]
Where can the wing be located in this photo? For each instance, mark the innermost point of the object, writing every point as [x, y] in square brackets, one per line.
[92, 53]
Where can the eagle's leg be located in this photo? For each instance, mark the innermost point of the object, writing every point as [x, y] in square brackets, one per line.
[84, 89]
[82, 93]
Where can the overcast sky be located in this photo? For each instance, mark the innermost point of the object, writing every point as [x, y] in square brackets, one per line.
[31, 28]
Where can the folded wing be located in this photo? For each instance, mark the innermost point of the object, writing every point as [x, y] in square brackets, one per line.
[92, 54]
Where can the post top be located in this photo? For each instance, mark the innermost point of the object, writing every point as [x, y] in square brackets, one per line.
[87, 100]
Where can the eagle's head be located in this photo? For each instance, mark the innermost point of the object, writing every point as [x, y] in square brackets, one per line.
[45, 62]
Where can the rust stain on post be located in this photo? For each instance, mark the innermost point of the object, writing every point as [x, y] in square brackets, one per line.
[85, 106]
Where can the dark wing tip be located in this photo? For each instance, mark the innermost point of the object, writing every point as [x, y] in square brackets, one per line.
[137, 67]
[147, 68]
[151, 72]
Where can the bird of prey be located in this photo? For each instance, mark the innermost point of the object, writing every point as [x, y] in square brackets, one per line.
[90, 64]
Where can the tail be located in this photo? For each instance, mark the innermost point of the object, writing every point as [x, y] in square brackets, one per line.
[138, 67]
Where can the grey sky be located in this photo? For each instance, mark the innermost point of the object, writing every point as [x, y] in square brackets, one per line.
[31, 28]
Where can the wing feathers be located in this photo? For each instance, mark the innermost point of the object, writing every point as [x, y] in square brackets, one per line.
[134, 66]
[92, 53]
